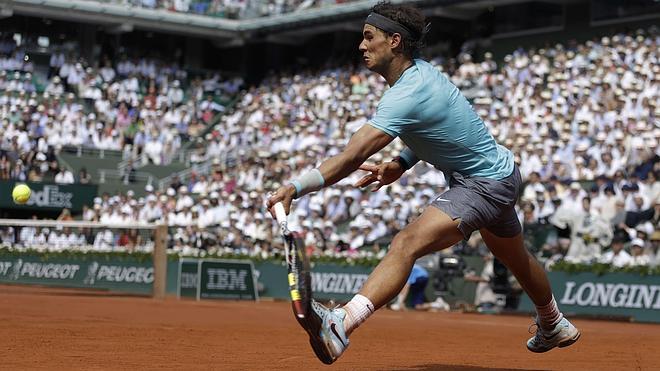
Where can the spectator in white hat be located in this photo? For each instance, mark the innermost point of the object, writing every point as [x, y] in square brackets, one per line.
[637, 253]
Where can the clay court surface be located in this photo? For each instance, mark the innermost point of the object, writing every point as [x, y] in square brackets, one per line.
[63, 329]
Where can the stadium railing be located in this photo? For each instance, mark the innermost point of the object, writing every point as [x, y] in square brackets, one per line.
[81, 151]
[142, 160]
[106, 175]
[229, 158]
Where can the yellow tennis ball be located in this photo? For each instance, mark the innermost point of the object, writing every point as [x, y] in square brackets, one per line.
[21, 194]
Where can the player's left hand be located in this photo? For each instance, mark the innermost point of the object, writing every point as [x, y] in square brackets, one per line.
[383, 174]
[285, 195]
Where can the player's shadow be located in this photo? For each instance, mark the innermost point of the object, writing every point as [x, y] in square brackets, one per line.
[441, 367]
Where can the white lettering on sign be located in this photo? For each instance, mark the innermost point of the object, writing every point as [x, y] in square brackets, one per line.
[50, 196]
[115, 273]
[4, 268]
[188, 280]
[48, 270]
[568, 299]
[585, 294]
[226, 279]
[338, 283]
[618, 295]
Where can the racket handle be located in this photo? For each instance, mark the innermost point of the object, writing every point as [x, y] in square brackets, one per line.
[280, 214]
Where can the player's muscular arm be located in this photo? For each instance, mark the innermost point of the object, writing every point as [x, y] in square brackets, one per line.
[367, 141]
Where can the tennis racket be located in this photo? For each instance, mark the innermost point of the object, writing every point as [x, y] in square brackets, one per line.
[300, 281]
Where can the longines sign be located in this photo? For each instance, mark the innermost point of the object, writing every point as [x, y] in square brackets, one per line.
[625, 295]
[337, 283]
[619, 295]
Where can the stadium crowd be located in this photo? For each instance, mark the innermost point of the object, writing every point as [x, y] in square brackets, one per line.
[144, 107]
[582, 121]
[234, 9]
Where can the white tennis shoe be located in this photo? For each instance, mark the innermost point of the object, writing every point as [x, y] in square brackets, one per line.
[327, 336]
[563, 335]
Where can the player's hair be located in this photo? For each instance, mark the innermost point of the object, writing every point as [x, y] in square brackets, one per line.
[411, 18]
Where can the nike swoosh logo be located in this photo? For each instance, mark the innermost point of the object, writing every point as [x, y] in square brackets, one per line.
[442, 200]
[551, 336]
[334, 331]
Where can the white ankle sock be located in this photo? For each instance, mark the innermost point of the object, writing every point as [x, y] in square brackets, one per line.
[549, 314]
[357, 311]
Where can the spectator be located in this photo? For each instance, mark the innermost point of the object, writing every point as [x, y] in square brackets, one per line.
[65, 216]
[485, 298]
[415, 288]
[7, 236]
[129, 173]
[617, 256]
[88, 214]
[84, 177]
[153, 150]
[64, 176]
[638, 255]
[589, 232]
[654, 249]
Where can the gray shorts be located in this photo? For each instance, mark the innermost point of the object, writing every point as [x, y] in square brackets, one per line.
[483, 203]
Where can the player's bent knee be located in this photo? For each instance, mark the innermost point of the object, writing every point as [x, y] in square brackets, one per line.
[403, 244]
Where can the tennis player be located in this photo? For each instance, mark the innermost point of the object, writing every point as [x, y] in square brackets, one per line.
[438, 125]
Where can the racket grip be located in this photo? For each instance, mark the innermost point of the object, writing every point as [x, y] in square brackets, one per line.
[280, 214]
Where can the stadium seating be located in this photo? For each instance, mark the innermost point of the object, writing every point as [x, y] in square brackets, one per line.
[593, 106]
[115, 117]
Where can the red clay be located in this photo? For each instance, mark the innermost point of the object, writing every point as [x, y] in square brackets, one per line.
[56, 329]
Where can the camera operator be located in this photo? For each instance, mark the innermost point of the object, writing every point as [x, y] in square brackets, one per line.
[589, 232]
[415, 287]
[495, 289]
[485, 297]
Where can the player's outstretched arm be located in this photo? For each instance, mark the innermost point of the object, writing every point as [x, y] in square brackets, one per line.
[364, 143]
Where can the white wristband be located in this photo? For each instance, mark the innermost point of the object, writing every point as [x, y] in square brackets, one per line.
[308, 182]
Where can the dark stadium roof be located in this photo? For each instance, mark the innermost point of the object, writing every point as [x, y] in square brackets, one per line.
[121, 18]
